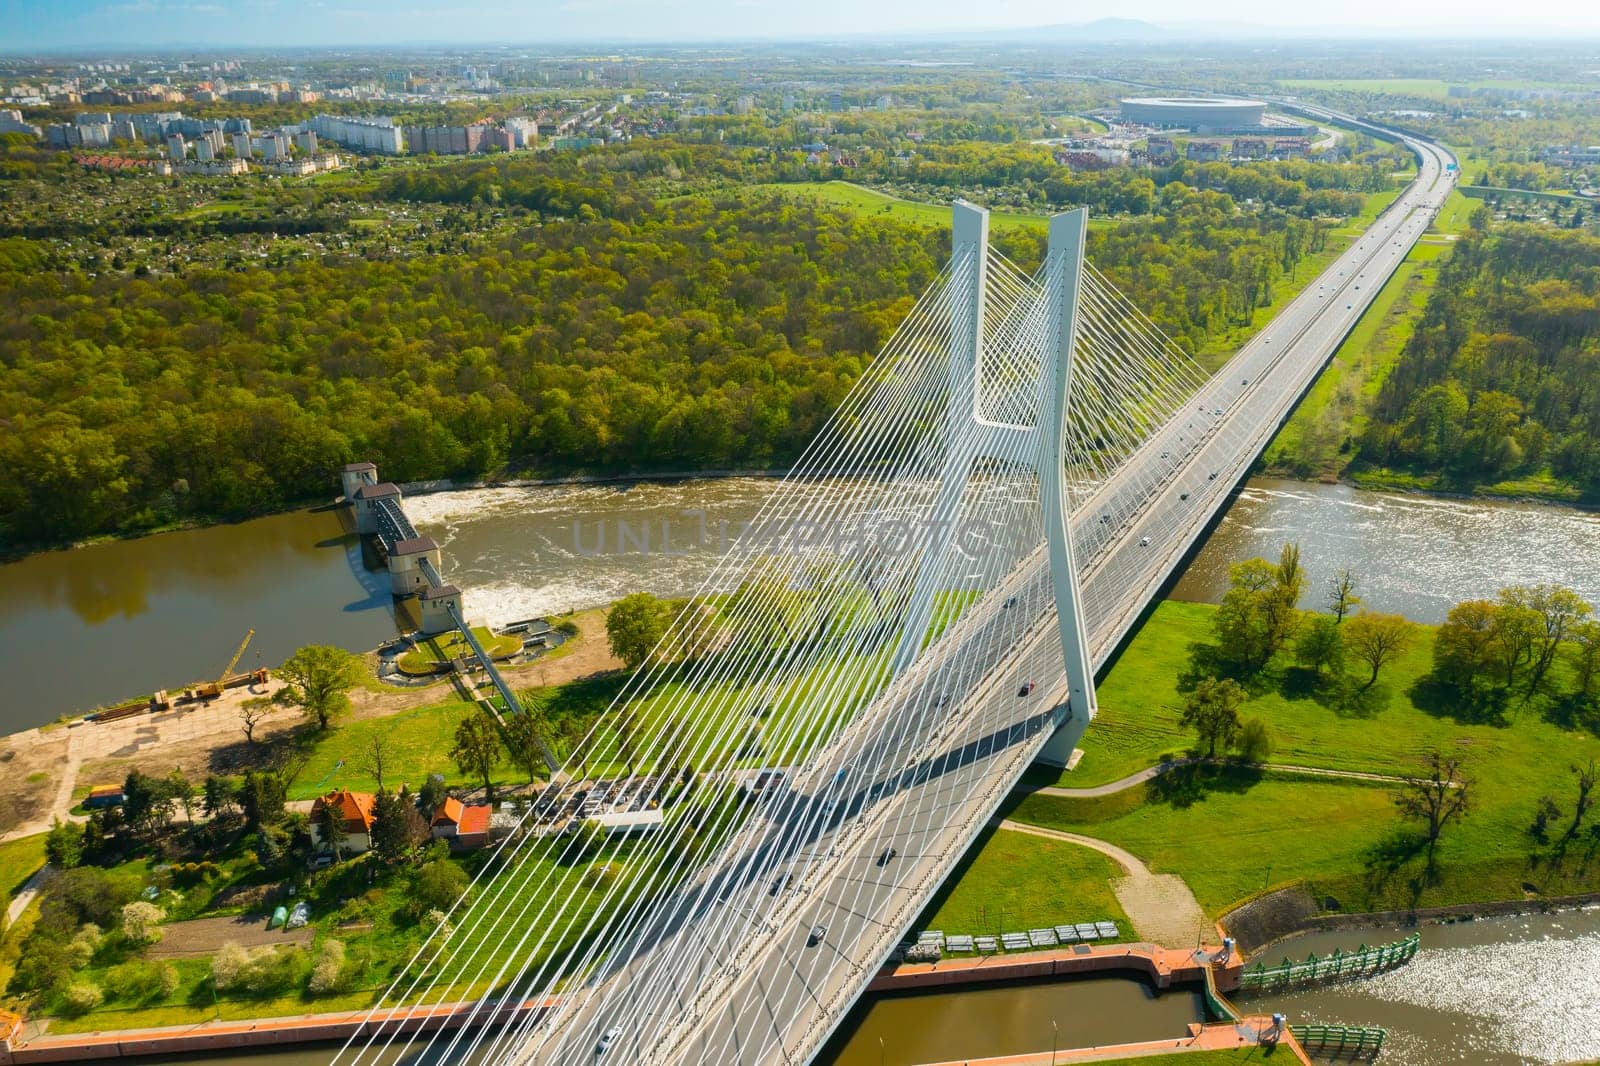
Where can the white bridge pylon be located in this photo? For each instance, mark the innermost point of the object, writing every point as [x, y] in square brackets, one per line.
[974, 435]
[832, 718]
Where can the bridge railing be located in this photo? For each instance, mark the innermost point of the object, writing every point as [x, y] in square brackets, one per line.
[1341, 1039]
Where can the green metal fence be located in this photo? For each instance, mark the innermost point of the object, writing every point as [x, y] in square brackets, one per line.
[1341, 964]
[1340, 1039]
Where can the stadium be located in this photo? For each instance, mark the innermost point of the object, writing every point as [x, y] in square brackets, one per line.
[1197, 113]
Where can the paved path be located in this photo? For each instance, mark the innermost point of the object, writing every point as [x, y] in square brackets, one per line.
[25, 895]
[1160, 906]
[1111, 788]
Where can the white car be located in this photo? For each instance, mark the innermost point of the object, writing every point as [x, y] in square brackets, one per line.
[609, 1038]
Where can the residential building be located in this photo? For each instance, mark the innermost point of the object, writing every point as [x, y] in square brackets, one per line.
[203, 152]
[1163, 150]
[1249, 148]
[1204, 151]
[11, 122]
[241, 145]
[306, 141]
[355, 818]
[376, 134]
[176, 148]
[461, 825]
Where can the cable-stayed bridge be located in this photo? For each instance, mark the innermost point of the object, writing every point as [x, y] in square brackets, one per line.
[914, 618]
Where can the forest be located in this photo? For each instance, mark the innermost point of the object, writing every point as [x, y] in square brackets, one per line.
[601, 326]
[1501, 378]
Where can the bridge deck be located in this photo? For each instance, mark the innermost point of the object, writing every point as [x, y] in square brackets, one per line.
[775, 996]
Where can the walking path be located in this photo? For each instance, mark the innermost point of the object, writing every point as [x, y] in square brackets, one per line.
[1111, 788]
[1161, 907]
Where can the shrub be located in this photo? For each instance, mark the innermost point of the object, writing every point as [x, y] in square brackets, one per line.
[138, 980]
[85, 942]
[1254, 743]
[437, 919]
[326, 971]
[439, 885]
[139, 922]
[228, 966]
[264, 971]
[80, 997]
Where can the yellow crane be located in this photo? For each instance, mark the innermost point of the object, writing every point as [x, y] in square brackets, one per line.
[210, 690]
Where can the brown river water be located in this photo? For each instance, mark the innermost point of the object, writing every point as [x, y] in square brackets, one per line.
[119, 619]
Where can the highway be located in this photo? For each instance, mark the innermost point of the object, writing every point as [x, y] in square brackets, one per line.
[732, 968]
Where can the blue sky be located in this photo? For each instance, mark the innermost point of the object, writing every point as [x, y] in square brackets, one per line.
[41, 24]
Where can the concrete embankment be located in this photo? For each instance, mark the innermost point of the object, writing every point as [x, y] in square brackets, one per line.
[260, 1033]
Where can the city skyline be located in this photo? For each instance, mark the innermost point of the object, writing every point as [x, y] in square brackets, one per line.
[42, 25]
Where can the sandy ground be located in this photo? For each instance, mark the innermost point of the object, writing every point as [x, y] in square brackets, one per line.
[42, 770]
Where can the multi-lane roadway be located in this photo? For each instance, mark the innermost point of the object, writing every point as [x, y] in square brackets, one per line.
[758, 960]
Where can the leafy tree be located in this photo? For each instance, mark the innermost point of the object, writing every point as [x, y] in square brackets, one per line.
[432, 793]
[219, 796]
[1254, 742]
[1517, 631]
[63, 845]
[635, 625]
[251, 713]
[1560, 610]
[1586, 661]
[1587, 777]
[329, 822]
[1212, 711]
[1320, 645]
[262, 796]
[1377, 639]
[318, 679]
[524, 739]
[1464, 646]
[140, 922]
[1342, 596]
[397, 828]
[147, 802]
[1257, 615]
[477, 747]
[439, 884]
[1438, 795]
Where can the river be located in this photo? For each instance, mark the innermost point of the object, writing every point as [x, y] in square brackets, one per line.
[110, 621]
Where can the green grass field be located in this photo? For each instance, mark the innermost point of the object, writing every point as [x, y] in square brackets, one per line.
[1140, 703]
[1317, 440]
[871, 202]
[1430, 88]
[1230, 833]
[1012, 881]
[19, 860]
[419, 744]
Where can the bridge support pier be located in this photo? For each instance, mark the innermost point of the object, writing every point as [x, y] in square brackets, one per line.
[972, 437]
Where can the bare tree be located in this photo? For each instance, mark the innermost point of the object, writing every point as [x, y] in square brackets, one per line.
[375, 755]
[1439, 795]
[251, 714]
[1342, 598]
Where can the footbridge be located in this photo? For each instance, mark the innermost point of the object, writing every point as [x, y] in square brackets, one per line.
[917, 616]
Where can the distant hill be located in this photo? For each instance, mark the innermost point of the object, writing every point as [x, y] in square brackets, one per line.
[1106, 29]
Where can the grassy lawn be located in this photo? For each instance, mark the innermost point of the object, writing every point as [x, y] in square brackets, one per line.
[1011, 882]
[1140, 703]
[1231, 832]
[1317, 440]
[446, 646]
[419, 745]
[19, 860]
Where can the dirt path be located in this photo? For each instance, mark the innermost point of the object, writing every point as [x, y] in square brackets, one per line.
[1160, 906]
[204, 936]
[1151, 772]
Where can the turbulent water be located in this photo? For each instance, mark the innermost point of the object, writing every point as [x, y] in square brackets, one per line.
[1416, 555]
[1500, 992]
